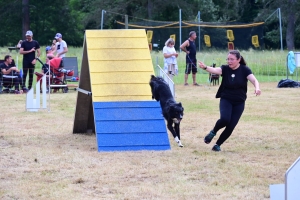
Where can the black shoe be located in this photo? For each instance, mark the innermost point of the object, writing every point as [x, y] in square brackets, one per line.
[216, 148]
[25, 90]
[209, 137]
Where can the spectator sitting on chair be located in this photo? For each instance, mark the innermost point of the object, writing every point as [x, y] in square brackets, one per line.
[49, 54]
[11, 74]
[45, 67]
[53, 46]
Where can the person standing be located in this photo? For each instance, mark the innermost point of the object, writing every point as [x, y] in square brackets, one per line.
[30, 49]
[232, 93]
[170, 56]
[61, 46]
[189, 47]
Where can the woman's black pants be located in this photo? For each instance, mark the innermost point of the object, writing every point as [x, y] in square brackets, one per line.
[230, 113]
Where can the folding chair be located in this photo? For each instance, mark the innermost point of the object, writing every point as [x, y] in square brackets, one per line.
[70, 63]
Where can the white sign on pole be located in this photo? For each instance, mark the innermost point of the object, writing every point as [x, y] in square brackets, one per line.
[292, 181]
[33, 104]
[291, 189]
[277, 192]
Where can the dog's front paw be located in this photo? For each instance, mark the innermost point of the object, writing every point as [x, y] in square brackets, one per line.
[179, 144]
[178, 141]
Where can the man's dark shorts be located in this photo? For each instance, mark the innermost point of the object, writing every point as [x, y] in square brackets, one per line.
[191, 67]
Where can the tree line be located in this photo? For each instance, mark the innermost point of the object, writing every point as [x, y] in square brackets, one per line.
[71, 17]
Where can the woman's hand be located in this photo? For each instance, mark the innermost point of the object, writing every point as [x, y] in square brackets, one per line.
[257, 92]
[255, 83]
[201, 65]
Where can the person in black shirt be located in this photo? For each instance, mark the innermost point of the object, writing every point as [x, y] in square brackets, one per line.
[29, 47]
[189, 47]
[232, 93]
[11, 74]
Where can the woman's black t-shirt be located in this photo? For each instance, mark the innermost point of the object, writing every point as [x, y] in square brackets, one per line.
[234, 83]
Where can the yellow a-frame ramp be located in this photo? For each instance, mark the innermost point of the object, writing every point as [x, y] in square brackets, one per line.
[115, 102]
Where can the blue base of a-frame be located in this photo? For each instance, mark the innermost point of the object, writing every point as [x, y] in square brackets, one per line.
[130, 126]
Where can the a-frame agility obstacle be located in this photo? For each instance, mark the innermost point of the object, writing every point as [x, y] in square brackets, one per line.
[114, 97]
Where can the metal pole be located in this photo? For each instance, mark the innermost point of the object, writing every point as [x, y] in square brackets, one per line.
[280, 28]
[199, 29]
[156, 73]
[126, 21]
[102, 17]
[179, 28]
[287, 67]
[84, 91]
[279, 16]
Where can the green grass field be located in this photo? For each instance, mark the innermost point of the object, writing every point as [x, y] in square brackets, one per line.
[267, 66]
[42, 159]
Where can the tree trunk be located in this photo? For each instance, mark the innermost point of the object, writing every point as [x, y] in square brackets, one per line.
[150, 8]
[25, 17]
[290, 29]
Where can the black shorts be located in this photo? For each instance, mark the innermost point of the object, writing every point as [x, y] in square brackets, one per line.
[191, 67]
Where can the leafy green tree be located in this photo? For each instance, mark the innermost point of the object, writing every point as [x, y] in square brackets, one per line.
[290, 17]
[72, 17]
[51, 16]
[46, 18]
[146, 9]
[11, 22]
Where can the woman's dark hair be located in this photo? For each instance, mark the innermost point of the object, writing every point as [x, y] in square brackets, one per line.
[238, 56]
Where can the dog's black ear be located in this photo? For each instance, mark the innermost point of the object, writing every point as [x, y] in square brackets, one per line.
[180, 105]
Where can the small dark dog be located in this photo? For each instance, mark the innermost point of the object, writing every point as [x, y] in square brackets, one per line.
[172, 111]
[214, 78]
